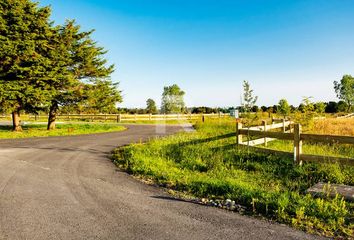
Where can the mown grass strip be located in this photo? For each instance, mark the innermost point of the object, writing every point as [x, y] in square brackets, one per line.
[39, 130]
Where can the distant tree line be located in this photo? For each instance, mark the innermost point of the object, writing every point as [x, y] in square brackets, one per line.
[172, 101]
[343, 88]
[327, 107]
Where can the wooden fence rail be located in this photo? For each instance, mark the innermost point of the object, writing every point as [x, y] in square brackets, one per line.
[263, 132]
[297, 137]
[120, 118]
[351, 115]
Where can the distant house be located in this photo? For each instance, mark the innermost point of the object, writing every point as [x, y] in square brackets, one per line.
[234, 113]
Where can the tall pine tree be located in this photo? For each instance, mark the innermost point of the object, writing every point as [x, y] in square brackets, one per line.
[43, 67]
[80, 65]
[24, 41]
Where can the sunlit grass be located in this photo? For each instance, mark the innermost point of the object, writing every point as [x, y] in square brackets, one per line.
[328, 126]
[207, 164]
[334, 126]
[40, 130]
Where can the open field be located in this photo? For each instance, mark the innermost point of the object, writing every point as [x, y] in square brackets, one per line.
[40, 130]
[328, 126]
[206, 164]
[334, 126]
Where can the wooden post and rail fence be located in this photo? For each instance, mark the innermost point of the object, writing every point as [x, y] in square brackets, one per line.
[294, 133]
[265, 133]
[121, 118]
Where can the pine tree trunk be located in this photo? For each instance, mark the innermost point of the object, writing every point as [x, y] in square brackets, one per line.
[52, 116]
[16, 127]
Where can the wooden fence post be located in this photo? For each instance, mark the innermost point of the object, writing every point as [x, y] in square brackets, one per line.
[283, 125]
[119, 118]
[203, 118]
[265, 129]
[238, 135]
[297, 144]
[150, 116]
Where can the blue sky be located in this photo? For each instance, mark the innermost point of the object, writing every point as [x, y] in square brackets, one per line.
[285, 49]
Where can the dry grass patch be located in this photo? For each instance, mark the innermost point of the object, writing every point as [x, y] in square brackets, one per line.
[334, 126]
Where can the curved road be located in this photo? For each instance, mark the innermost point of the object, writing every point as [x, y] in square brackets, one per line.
[67, 188]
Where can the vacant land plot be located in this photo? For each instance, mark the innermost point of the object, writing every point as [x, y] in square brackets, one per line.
[206, 164]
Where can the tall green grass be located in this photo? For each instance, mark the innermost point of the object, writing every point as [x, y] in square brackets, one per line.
[207, 164]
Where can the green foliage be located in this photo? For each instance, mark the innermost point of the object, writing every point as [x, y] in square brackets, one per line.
[151, 106]
[101, 97]
[172, 99]
[24, 42]
[343, 106]
[320, 107]
[308, 106]
[45, 67]
[345, 90]
[207, 164]
[248, 99]
[305, 115]
[283, 107]
[207, 110]
[82, 81]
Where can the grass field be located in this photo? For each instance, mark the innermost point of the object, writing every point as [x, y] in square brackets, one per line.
[329, 126]
[40, 130]
[205, 165]
[334, 126]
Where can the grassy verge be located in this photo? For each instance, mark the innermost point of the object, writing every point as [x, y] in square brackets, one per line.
[62, 130]
[205, 165]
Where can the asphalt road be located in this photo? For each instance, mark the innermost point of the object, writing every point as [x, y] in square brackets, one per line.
[67, 188]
